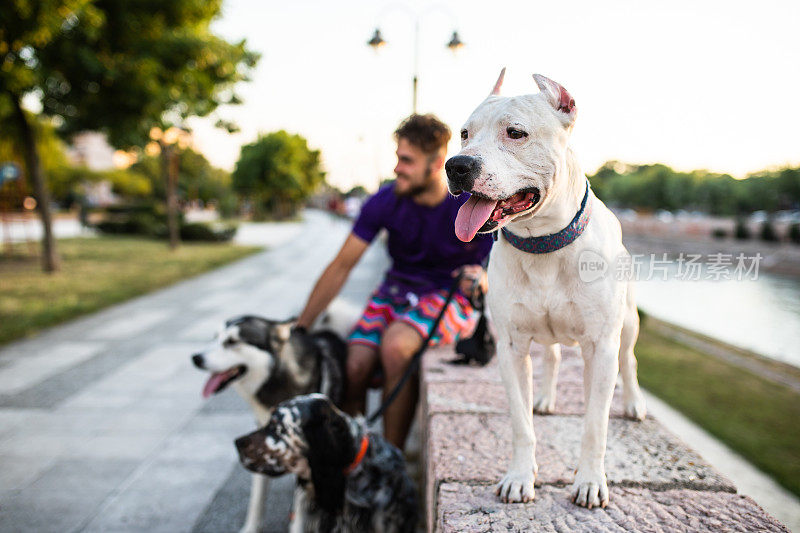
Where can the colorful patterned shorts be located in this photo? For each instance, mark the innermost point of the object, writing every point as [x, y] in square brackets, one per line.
[459, 319]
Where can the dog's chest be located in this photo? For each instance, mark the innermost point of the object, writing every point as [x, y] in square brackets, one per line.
[538, 297]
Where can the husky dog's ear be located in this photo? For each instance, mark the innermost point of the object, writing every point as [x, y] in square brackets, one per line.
[284, 330]
[234, 321]
[498, 83]
[559, 98]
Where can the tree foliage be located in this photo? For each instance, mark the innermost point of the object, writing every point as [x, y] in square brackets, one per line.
[51, 147]
[138, 65]
[117, 66]
[277, 172]
[652, 187]
[197, 178]
[65, 182]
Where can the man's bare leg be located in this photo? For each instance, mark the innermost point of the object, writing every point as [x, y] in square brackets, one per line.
[361, 362]
[399, 343]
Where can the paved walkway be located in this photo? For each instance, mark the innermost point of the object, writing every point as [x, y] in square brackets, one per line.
[102, 425]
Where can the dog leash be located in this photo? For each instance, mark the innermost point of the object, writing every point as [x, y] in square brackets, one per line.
[412, 366]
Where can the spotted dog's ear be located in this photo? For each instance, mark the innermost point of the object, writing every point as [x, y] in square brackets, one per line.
[330, 449]
[559, 99]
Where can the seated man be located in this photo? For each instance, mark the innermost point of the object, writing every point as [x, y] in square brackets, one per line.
[419, 214]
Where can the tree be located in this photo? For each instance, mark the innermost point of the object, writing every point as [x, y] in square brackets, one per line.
[116, 66]
[197, 178]
[278, 171]
[26, 28]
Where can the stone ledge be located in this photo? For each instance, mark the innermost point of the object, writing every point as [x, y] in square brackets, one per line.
[475, 508]
[490, 397]
[467, 447]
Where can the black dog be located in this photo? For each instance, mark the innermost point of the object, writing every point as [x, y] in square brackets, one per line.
[348, 480]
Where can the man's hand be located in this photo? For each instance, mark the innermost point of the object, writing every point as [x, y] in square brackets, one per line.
[473, 280]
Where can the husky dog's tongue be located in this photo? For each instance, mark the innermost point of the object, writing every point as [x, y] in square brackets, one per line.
[217, 380]
[472, 215]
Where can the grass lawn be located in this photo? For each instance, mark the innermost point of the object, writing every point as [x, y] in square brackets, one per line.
[756, 417]
[97, 272]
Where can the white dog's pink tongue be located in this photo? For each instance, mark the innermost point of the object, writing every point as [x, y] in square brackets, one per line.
[213, 383]
[472, 215]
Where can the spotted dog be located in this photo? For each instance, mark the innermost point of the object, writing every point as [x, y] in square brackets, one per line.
[267, 362]
[528, 188]
[348, 480]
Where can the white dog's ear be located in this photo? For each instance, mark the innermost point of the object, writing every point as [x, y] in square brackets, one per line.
[498, 83]
[558, 97]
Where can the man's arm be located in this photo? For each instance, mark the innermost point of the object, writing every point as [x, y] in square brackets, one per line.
[330, 282]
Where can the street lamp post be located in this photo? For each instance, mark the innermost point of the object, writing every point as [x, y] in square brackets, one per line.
[455, 43]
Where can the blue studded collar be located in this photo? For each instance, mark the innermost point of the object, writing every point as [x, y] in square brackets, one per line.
[555, 241]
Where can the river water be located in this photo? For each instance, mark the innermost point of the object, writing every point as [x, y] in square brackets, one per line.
[761, 314]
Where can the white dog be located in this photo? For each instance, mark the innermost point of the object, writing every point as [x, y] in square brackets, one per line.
[526, 182]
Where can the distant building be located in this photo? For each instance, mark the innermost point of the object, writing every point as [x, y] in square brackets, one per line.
[90, 149]
[99, 194]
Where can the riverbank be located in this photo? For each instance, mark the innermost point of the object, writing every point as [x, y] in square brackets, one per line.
[731, 393]
[749, 480]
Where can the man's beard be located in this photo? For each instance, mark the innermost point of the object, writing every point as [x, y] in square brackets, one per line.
[416, 190]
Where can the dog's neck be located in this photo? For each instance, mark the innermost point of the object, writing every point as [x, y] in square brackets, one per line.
[559, 205]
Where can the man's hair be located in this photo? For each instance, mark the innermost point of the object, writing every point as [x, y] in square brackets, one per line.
[426, 132]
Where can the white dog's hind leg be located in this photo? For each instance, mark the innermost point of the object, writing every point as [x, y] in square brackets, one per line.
[631, 395]
[590, 488]
[515, 369]
[255, 509]
[545, 401]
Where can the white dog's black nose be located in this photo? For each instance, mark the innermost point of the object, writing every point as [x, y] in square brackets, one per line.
[462, 171]
[197, 359]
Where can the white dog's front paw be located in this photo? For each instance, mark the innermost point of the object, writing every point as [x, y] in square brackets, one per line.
[590, 489]
[544, 404]
[517, 486]
[635, 407]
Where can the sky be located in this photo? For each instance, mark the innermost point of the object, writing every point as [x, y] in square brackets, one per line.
[693, 84]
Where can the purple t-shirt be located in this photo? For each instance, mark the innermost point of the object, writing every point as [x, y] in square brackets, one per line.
[422, 241]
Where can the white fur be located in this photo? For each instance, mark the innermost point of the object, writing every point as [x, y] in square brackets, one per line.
[540, 297]
[259, 365]
[339, 317]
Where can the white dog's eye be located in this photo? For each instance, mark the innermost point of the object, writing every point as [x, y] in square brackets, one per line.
[514, 133]
[464, 135]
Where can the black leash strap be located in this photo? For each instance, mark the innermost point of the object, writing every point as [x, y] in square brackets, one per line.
[412, 366]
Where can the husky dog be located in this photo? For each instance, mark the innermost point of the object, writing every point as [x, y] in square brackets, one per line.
[527, 186]
[267, 362]
[348, 480]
